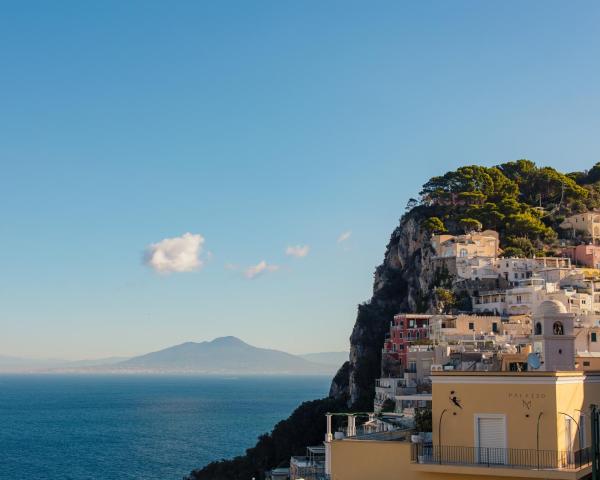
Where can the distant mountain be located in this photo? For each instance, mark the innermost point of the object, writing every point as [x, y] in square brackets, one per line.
[31, 365]
[336, 359]
[224, 355]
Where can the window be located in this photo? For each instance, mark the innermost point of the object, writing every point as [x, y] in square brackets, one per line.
[586, 364]
[490, 438]
[582, 439]
[517, 367]
[495, 327]
[569, 427]
[463, 252]
[557, 328]
[594, 337]
[538, 328]
[471, 326]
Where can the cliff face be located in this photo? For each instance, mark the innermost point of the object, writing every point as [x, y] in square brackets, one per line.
[403, 282]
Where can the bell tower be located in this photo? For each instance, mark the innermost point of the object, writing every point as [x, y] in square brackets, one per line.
[553, 337]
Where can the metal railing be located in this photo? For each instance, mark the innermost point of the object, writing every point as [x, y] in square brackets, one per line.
[501, 457]
[314, 471]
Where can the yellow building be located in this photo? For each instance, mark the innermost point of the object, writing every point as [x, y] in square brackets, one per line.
[484, 244]
[587, 223]
[486, 425]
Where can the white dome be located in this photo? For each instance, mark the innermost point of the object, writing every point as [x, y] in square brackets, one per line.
[551, 307]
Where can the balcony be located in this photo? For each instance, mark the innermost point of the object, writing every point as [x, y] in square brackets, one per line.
[309, 467]
[515, 458]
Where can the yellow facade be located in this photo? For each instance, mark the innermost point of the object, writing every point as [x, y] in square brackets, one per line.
[519, 398]
[587, 363]
[382, 460]
[484, 244]
[542, 414]
[587, 222]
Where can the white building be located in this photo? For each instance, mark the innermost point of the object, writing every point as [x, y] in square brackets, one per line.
[388, 388]
[551, 269]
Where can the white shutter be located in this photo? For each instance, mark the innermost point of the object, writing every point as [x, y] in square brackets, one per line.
[582, 438]
[491, 440]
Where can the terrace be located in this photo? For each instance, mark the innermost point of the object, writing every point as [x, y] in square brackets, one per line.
[574, 463]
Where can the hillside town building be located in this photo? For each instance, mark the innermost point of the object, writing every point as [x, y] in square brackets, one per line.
[586, 224]
[584, 255]
[518, 418]
[484, 244]
[511, 386]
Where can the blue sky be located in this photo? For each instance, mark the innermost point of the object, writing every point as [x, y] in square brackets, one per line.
[257, 125]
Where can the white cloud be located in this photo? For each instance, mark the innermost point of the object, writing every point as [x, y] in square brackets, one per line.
[344, 236]
[259, 269]
[177, 254]
[297, 250]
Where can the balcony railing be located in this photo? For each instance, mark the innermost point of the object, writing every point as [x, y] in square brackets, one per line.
[307, 468]
[502, 457]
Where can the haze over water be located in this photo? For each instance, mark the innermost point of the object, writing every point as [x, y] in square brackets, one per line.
[137, 427]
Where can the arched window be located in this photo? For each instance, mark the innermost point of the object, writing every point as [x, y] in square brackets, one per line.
[463, 252]
[557, 328]
[538, 328]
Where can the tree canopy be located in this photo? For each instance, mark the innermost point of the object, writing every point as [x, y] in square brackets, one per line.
[518, 199]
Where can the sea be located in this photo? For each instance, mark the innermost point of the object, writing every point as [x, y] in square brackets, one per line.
[71, 427]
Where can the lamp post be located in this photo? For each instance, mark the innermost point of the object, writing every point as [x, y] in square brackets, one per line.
[576, 423]
[440, 434]
[578, 433]
[537, 440]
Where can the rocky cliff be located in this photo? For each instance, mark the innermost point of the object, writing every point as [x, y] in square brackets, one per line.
[403, 282]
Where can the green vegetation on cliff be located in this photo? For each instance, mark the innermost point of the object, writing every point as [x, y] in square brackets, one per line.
[523, 202]
[306, 426]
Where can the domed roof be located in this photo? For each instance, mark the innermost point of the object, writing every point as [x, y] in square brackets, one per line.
[551, 307]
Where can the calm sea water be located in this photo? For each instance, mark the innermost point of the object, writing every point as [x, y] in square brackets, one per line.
[136, 427]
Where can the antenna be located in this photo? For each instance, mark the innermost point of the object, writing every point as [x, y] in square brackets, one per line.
[533, 361]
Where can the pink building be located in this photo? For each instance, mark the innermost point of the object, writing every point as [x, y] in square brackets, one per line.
[586, 255]
[406, 328]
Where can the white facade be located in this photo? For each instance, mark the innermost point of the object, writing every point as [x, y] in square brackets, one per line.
[549, 268]
[474, 268]
[527, 295]
[388, 388]
[553, 336]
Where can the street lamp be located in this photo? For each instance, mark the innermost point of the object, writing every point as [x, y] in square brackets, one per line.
[440, 433]
[578, 435]
[537, 440]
